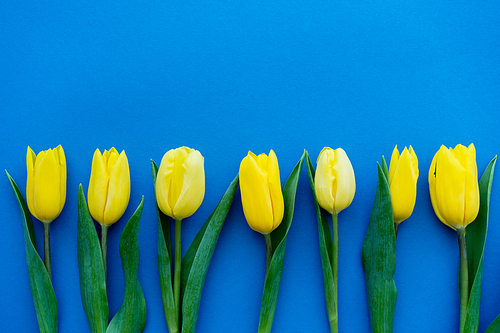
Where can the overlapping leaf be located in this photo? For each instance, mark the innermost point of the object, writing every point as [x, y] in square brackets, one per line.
[131, 317]
[44, 298]
[91, 270]
[278, 239]
[195, 263]
[325, 246]
[475, 238]
[379, 259]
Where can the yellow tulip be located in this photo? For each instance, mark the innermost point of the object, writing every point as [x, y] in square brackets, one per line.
[180, 182]
[453, 185]
[46, 183]
[334, 181]
[403, 175]
[109, 186]
[261, 195]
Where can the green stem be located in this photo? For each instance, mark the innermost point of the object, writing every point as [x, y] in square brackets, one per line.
[104, 245]
[269, 251]
[177, 270]
[396, 226]
[46, 244]
[464, 278]
[334, 321]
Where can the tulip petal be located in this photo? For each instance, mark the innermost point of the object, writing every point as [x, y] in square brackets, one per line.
[255, 195]
[98, 186]
[30, 181]
[177, 177]
[471, 186]
[345, 181]
[414, 162]
[450, 187]
[61, 157]
[118, 189]
[274, 182]
[47, 196]
[324, 179]
[432, 188]
[163, 181]
[403, 188]
[394, 163]
[193, 187]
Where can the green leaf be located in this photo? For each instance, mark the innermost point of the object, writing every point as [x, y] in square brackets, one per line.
[165, 262]
[325, 246]
[44, 298]
[197, 259]
[91, 269]
[278, 238]
[475, 238]
[131, 317]
[494, 326]
[379, 259]
[384, 168]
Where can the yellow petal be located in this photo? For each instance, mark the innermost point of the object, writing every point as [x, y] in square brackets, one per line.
[255, 195]
[118, 189]
[98, 187]
[59, 152]
[193, 187]
[30, 180]
[414, 162]
[471, 186]
[274, 182]
[47, 187]
[403, 188]
[345, 181]
[324, 180]
[432, 187]
[163, 180]
[450, 187]
[394, 163]
[177, 180]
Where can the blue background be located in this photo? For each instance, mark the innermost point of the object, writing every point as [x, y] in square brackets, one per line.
[228, 76]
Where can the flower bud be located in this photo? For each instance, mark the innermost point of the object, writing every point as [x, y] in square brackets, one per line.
[334, 181]
[261, 195]
[453, 185]
[109, 187]
[180, 182]
[46, 183]
[403, 175]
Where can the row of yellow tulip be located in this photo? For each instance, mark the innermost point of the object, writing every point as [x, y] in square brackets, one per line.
[180, 187]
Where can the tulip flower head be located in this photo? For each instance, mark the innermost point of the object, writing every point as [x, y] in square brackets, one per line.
[46, 183]
[403, 175]
[180, 182]
[109, 186]
[261, 194]
[334, 181]
[453, 185]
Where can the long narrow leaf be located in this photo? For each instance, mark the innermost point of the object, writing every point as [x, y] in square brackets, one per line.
[279, 237]
[494, 326]
[197, 259]
[325, 246]
[379, 259]
[475, 238]
[91, 269]
[165, 261]
[131, 317]
[44, 298]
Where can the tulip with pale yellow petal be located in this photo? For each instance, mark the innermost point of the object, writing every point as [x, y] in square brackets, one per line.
[179, 189]
[334, 185]
[46, 189]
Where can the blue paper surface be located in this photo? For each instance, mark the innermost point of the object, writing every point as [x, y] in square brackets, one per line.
[226, 77]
